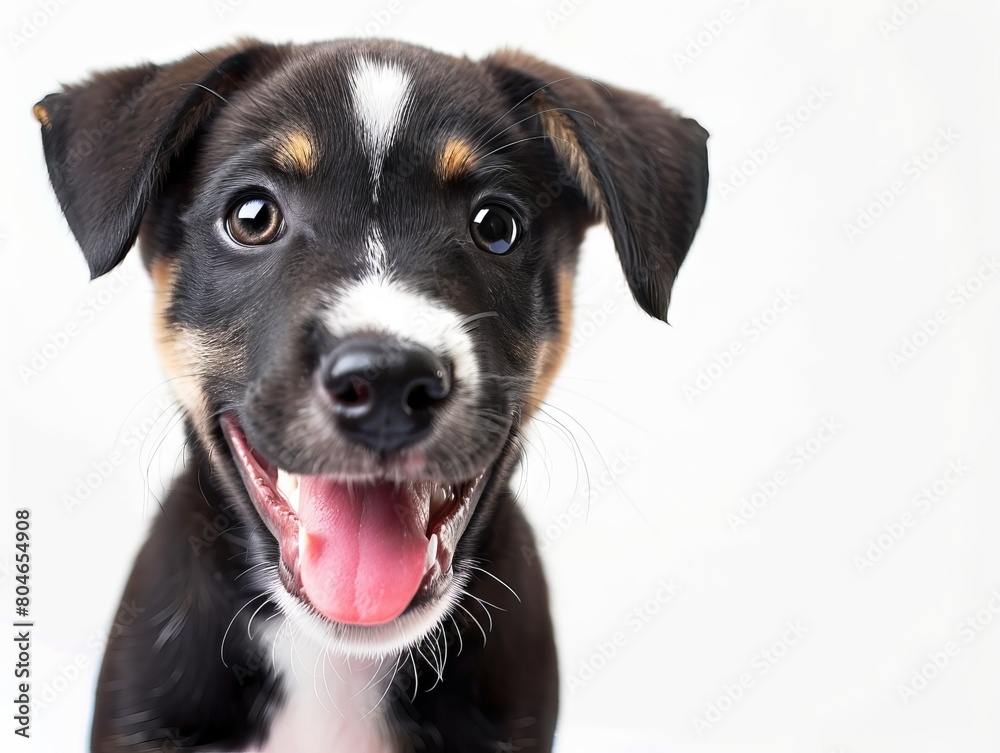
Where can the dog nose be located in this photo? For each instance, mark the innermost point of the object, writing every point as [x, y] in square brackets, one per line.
[384, 392]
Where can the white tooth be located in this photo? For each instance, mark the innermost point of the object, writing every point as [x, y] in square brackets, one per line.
[288, 487]
[432, 551]
[438, 498]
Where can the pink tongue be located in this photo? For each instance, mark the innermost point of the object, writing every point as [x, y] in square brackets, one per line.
[361, 550]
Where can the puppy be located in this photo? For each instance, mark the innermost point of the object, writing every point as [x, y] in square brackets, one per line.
[363, 256]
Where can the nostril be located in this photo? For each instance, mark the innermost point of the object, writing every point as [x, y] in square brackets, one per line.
[422, 394]
[417, 399]
[351, 392]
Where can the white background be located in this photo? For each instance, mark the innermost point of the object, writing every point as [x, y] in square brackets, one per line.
[690, 458]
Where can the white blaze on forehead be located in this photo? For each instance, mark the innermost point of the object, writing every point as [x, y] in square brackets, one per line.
[375, 252]
[377, 305]
[380, 91]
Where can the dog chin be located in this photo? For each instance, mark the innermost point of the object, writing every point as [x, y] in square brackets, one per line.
[365, 565]
[364, 642]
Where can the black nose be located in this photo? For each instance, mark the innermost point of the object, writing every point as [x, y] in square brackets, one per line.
[384, 392]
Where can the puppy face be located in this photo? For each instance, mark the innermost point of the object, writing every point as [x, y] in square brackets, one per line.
[363, 258]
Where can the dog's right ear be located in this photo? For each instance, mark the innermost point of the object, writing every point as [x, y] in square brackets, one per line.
[109, 141]
[640, 167]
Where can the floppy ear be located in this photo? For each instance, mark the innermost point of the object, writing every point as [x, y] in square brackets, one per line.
[109, 141]
[641, 167]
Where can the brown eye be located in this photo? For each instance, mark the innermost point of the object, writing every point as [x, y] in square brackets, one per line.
[494, 228]
[254, 221]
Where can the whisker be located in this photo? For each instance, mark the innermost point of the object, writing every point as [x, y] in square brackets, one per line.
[487, 572]
[373, 678]
[416, 675]
[262, 605]
[471, 617]
[528, 96]
[476, 317]
[326, 685]
[604, 462]
[233, 81]
[388, 686]
[222, 648]
[458, 632]
[579, 459]
[429, 664]
[249, 569]
[538, 114]
[521, 141]
[202, 86]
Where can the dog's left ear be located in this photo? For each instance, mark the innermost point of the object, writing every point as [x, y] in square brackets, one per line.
[109, 142]
[639, 166]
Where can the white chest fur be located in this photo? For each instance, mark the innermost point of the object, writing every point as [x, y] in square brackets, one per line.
[332, 703]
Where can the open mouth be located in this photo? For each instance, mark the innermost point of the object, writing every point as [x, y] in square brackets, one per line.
[361, 552]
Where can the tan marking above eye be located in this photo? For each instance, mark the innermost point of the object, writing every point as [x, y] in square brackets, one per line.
[455, 159]
[294, 152]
